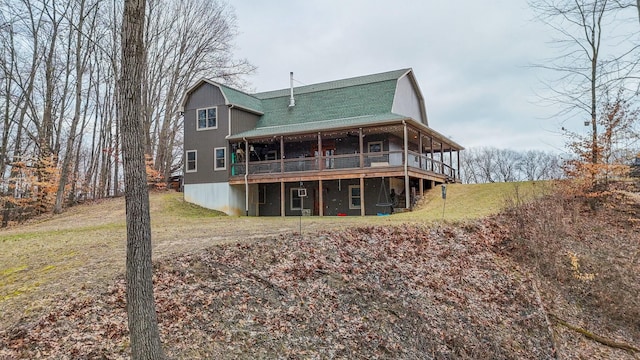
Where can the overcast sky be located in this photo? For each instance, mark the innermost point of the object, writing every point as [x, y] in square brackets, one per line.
[472, 59]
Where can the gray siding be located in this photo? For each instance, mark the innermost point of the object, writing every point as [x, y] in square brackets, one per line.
[406, 101]
[242, 121]
[271, 204]
[335, 194]
[204, 141]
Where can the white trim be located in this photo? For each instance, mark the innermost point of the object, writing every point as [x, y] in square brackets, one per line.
[186, 161]
[202, 81]
[351, 197]
[198, 128]
[215, 159]
[375, 143]
[295, 191]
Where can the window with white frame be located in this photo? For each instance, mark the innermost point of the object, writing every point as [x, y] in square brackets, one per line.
[297, 194]
[220, 162]
[207, 118]
[355, 197]
[191, 163]
[374, 146]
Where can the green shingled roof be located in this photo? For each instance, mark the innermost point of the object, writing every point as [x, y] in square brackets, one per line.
[238, 98]
[361, 100]
[312, 126]
[330, 85]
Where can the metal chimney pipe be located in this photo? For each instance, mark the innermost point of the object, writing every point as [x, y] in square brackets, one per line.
[292, 101]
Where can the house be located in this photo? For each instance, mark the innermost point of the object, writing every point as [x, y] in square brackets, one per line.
[327, 149]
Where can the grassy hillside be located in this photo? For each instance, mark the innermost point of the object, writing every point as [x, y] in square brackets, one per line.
[473, 201]
[85, 246]
[401, 286]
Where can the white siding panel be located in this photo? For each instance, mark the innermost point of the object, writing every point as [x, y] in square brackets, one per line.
[406, 101]
[216, 196]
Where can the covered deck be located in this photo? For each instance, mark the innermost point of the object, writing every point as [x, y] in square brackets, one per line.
[414, 156]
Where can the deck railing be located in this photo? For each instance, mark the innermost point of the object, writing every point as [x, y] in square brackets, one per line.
[345, 161]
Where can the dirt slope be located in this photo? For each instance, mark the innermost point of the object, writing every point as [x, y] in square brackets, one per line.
[489, 288]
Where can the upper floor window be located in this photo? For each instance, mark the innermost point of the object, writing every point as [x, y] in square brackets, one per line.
[207, 118]
[220, 158]
[191, 163]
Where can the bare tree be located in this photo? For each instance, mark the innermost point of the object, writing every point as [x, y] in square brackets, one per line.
[539, 165]
[59, 64]
[629, 3]
[82, 52]
[180, 51]
[489, 164]
[594, 56]
[143, 324]
[506, 167]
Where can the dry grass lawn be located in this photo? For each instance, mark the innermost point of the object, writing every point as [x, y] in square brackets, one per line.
[82, 250]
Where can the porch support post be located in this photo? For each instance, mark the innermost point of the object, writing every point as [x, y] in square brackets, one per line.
[441, 157]
[247, 155]
[407, 193]
[451, 163]
[282, 155]
[420, 159]
[362, 197]
[282, 199]
[431, 150]
[246, 177]
[458, 167]
[320, 199]
[319, 151]
[421, 187]
[361, 141]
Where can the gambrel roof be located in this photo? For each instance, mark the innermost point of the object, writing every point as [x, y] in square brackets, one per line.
[346, 103]
[233, 97]
[370, 95]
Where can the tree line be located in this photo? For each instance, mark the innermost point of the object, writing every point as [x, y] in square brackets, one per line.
[59, 70]
[490, 164]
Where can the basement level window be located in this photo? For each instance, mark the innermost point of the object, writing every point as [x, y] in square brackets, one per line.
[354, 197]
[191, 163]
[207, 118]
[297, 194]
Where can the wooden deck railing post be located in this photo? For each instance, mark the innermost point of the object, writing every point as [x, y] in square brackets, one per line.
[362, 201]
[281, 153]
[320, 199]
[320, 167]
[361, 143]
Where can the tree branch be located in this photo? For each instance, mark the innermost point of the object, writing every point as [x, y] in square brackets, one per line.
[602, 340]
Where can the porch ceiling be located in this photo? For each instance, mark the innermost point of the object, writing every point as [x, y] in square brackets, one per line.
[389, 123]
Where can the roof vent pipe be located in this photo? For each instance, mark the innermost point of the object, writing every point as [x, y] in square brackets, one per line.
[292, 101]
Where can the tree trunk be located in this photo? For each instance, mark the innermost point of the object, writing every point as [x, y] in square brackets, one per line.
[80, 62]
[143, 325]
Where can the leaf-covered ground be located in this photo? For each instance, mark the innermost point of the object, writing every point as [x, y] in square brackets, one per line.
[497, 288]
[379, 292]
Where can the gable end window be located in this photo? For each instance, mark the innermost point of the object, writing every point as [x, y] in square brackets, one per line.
[207, 118]
[191, 164]
[220, 162]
